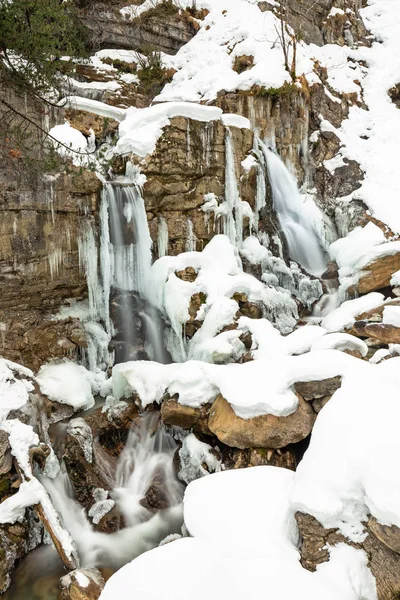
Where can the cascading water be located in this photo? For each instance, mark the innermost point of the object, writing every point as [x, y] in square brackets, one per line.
[145, 464]
[303, 242]
[125, 266]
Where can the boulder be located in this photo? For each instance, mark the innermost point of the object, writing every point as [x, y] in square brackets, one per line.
[82, 584]
[383, 562]
[186, 417]
[377, 275]
[265, 431]
[314, 390]
[387, 334]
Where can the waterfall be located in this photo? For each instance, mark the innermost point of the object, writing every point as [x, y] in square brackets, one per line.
[144, 466]
[302, 239]
[125, 261]
[129, 237]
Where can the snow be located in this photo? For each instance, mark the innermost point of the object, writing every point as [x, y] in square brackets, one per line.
[75, 141]
[242, 385]
[232, 120]
[249, 537]
[344, 317]
[219, 277]
[341, 341]
[14, 391]
[341, 483]
[21, 438]
[391, 316]
[141, 128]
[395, 280]
[194, 456]
[67, 383]
[379, 355]
[249, 163]
[95, 107]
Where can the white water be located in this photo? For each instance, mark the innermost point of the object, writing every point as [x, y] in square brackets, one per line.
[154, 336]
[130, 238]
[145, 458]
[303, 242]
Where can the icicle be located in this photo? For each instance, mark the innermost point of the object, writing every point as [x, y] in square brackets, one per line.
[55, 261]
[191, 239]
[49, 193]
[106, 262]
[188, 148]
[233, 223]
[162, 236]
[97, 350]
[261, 191]
[87, 248]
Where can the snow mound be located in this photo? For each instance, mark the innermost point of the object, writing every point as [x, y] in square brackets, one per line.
[341, 483]
[247, 539]
[67, 383]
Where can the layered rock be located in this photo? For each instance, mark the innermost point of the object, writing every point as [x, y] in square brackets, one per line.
[40, 266]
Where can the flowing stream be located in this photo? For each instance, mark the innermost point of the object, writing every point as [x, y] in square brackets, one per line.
[145, 463]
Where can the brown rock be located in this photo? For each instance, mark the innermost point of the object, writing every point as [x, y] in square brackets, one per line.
[383, 562]
[266, 431]
[387, 334]
[319, 404]
[377, 275]
[73, 588]
[178, 415]
[188, 274]
[390, 536]
[331, 272]
[313, 390]
[253, 457]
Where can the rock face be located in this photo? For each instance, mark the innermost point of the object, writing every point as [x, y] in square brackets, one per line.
[39, 265]
[188, 163]
[382, 560]
[266, 431]
[163, 28]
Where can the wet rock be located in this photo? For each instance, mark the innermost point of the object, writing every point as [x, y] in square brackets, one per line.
[331, 272]
[16, 541]
[82, 584]
[313, 390]
[266, 431]
[383, 562]
[156, 497]
[177, 415]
